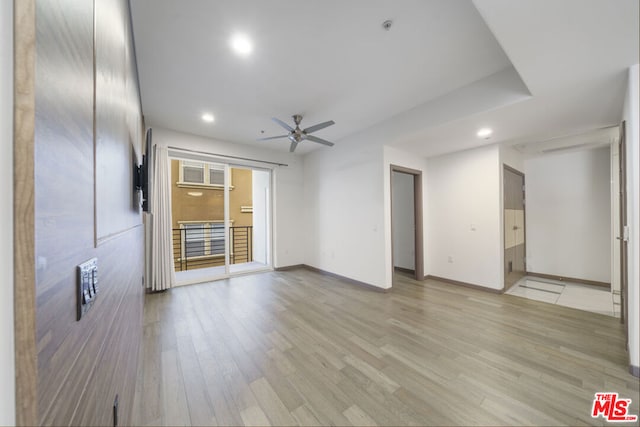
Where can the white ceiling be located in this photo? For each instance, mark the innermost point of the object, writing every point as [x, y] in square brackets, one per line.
[331, 59]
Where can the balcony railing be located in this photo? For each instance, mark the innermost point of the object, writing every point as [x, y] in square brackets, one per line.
[202, 245]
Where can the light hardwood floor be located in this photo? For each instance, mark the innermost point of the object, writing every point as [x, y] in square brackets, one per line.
[300, 348]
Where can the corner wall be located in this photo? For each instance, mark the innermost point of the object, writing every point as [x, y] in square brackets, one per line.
[7, 352]
[463, 220]
[631, 114]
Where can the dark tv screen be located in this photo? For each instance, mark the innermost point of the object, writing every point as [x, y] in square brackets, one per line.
[145, 171]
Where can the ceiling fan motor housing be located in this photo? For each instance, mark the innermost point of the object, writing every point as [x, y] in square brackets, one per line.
[297, 135]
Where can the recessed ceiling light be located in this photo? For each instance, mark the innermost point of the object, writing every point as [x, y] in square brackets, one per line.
[207, 117]
[484, 133]
[241, 44]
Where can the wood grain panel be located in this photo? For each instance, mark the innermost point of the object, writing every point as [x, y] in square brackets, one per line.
[24, 211]
[83, 365]
[118, 123]
[115, 368]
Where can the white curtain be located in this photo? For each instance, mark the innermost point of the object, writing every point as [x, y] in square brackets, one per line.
[163, 275]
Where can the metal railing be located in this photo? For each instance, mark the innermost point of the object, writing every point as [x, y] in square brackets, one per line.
[202, 245]
[241, 244]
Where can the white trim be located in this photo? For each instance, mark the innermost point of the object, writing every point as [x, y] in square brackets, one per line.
[206, 221]
[227, 234]
[206, 186]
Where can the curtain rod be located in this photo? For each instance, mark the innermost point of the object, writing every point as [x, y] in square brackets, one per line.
[225, 156]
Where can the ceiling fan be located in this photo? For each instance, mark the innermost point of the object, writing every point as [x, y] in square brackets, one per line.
[298, 135]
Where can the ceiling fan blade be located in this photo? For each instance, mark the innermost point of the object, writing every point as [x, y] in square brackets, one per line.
[272, 137]
[283, 124]
[319, 140]
[294, 144]
[319, 126]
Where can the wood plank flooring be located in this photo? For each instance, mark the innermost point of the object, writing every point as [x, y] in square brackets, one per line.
[300, 348]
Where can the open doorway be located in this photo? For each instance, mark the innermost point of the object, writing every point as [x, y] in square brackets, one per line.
[406, 221]
[249, 238]
[568, 228]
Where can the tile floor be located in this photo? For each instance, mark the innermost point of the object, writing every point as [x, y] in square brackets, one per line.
[583, 297]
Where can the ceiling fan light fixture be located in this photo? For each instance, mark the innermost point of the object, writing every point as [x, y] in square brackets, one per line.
[241, 44]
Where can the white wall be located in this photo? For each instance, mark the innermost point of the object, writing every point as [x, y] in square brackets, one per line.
[403, 220]
[463, 217]
[7, 352]
[288, 223]
[260, 217]
[349, 233]
[631, 114]
[344, 211]
[512, 157]
[568, 214]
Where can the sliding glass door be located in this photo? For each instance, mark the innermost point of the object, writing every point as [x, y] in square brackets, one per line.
[250, 241]
[221, 217]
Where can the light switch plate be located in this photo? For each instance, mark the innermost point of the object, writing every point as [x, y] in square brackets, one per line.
[87, 286]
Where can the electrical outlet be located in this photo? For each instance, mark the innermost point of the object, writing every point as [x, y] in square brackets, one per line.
[450, 259]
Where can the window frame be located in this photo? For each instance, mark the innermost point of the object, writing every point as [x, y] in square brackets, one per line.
[207, 168]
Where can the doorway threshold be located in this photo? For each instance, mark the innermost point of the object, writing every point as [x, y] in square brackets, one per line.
[211, 274]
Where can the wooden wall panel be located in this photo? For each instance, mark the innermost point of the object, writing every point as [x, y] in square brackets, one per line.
[117, 122]
[115, 369]
[24, 213]
[82, 365]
